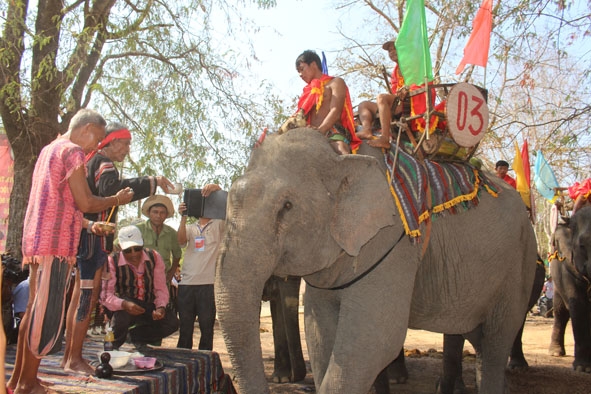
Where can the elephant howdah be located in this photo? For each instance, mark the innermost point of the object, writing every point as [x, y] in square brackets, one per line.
[301, 210]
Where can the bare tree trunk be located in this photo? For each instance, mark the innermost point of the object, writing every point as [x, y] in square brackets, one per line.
[19, 198]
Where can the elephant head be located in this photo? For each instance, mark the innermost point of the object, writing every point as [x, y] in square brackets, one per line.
[280, 197]
[572, 240]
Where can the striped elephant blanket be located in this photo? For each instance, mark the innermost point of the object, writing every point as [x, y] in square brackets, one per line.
[426, 189]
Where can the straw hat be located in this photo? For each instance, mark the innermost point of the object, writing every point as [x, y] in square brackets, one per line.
[158, 199]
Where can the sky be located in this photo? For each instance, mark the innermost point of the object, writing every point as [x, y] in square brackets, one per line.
[293, 26]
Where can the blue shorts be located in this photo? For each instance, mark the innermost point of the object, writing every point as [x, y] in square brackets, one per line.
[91, 255]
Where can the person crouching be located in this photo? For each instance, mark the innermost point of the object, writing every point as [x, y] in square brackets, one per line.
[135, 292]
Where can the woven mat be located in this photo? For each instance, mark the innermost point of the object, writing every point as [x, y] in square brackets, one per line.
[185, 371]
[427, 189]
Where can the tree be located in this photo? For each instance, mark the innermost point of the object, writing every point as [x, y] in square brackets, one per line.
[537, 77]
[152, 64]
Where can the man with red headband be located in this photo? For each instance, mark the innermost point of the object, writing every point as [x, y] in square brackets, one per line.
[326, 104]
[104, 180]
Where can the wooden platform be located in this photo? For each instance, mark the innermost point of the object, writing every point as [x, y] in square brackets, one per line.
[185, 371]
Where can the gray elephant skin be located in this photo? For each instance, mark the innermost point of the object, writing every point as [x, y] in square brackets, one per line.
[571, 273]
[301, 210]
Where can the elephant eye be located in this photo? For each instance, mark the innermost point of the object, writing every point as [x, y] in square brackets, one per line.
[288, 205]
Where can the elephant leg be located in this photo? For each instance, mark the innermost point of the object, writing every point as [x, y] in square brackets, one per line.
[320, 319]
[289, 359]
[495, 349]
[397, 369]
[452, 381]
[281, 367]
[517, 359]
[290, 294]
[561, 317]
[382, 383]
[581, 322]
[359, 312]
[475, 339]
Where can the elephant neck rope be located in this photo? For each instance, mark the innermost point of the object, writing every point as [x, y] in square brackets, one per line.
[557, 255]
[363, 274]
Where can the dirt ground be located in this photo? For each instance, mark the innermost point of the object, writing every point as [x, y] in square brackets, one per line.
[546, 374]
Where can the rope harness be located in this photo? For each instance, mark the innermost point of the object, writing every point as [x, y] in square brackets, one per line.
[363, 274]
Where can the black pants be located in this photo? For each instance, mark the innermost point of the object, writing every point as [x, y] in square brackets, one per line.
[196, 301]
[147, 330]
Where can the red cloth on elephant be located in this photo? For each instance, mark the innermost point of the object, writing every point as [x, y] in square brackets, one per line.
[580, 189]
[312, 98]
[418, 106]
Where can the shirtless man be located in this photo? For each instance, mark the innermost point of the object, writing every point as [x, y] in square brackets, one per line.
[326, 104]
[368, 109]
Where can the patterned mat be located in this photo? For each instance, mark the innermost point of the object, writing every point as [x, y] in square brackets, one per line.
[427, 189]
[185, 371]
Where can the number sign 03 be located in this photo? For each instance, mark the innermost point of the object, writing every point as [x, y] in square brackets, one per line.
[467, 114]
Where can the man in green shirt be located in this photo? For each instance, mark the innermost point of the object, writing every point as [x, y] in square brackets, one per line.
[159, 236]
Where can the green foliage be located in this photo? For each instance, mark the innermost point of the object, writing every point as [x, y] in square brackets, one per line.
[158, 66]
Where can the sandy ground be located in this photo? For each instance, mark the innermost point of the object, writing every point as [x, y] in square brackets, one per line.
[546, 375]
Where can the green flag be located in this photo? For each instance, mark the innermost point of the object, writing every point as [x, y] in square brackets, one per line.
[412, 45]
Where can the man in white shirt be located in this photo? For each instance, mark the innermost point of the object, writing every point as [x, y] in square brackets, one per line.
[196, 294]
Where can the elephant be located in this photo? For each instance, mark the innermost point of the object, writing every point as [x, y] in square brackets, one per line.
[300, 209]
[451, 381]
[283, 295]
[570, 267]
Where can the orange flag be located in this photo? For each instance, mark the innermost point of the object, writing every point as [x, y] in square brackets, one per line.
[476, 50]
[522, 185]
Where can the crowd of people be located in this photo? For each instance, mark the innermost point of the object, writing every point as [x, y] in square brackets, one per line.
[69, 231]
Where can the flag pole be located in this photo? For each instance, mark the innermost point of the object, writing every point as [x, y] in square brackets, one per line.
[428, 106]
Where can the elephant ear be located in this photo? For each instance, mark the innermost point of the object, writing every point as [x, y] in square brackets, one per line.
[364, 204]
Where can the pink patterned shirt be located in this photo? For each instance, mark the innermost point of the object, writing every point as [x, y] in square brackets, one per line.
[111, 300]
[53, 221]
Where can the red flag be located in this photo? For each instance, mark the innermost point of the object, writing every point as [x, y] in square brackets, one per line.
[476, 50]
[525, 161]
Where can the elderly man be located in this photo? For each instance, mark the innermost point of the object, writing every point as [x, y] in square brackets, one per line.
[59, 195]
[103, 180]
[135, 292]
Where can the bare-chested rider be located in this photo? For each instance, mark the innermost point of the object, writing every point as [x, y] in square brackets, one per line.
[326, 104]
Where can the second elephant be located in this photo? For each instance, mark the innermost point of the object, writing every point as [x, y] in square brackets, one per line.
[283, 295]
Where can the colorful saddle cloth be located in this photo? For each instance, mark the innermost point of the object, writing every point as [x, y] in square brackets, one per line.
[427, 189]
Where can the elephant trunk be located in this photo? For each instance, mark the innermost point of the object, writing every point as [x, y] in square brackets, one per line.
[238, 302]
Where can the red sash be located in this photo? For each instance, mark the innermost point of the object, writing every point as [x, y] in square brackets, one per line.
[312, 98]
